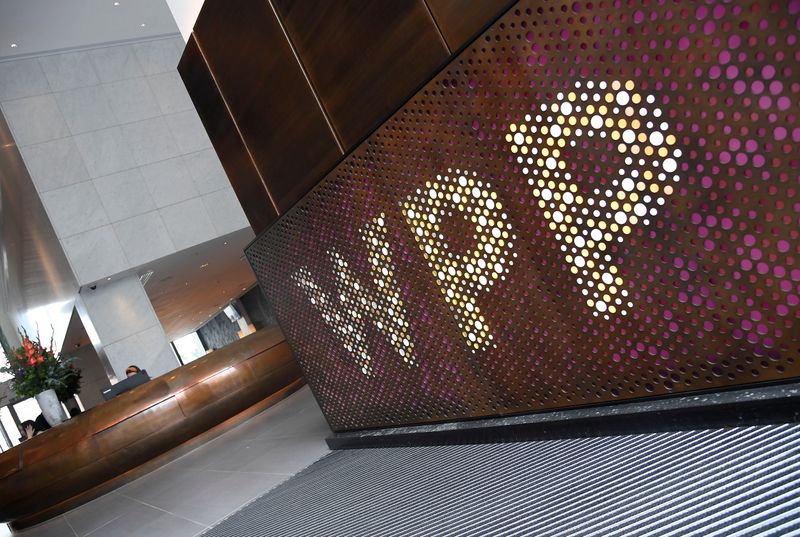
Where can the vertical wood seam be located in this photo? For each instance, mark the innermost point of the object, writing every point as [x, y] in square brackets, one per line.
[236, 125]
[438, 28]
[336, 135]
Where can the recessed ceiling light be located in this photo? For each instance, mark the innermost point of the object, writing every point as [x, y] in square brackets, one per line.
[116, 3]
[244, 288]
[226, 242]
[13, 45]
[204, 265]
[109, 278]
[143, 24]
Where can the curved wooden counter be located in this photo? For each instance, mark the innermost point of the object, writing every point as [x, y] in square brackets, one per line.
[137, 431]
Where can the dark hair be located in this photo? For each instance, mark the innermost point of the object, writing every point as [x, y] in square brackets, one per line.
[25, 424]
[41, 423]
[134, 368]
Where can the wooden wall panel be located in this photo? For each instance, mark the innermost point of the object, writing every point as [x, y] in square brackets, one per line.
[230, 147]
[363, 58]
[461, 20]
[268, 95]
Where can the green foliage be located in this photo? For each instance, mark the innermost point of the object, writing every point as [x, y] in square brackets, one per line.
[36, 368]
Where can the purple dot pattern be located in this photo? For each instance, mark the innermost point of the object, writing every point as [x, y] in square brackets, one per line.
[711, 280]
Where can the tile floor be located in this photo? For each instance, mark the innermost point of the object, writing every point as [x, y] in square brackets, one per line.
[207, 484]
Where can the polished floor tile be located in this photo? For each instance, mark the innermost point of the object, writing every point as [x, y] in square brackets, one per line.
[147, 520]
[57, 527]
[207, 484]
[96, 514]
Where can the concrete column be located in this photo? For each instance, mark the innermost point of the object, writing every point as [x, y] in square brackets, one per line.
[185, 13]
[122, 321]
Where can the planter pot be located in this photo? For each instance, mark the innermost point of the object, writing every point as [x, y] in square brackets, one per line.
[51, 407]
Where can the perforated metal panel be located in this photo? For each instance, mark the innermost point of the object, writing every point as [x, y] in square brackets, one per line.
[596, 201]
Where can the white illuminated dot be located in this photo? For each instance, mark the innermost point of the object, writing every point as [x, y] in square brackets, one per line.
[623, 98]
[580, 242]
[628, 184]
[547, 194]
[566, 108]
[555, 131]
[498, 268]
[600, 305]
[640, 209]
[608, 279]
[669, 165]
[597, 234]
[579, 261]
[628, 136]
[656, 138]
[620, 217]
[519, 138]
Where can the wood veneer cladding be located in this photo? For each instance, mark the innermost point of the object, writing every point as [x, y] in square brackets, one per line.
[230, 147]
[57, 468]
[268, 95]
[460, 20]
[364, 58]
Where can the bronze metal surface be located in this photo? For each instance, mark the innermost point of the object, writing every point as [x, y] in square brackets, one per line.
[460, 20]
[268, 96]
[239, 167]
[54, 471]
[594, 202]
[363, 58]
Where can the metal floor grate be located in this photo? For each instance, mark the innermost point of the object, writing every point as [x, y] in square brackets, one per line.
[726, 482]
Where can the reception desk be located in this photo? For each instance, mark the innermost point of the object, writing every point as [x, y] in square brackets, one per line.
[144, 428]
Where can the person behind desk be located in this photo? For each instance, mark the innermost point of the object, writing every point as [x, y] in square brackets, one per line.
[133, 370]
[30, 428]
[27, 430]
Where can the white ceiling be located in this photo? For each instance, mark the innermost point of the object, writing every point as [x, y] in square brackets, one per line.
[42, 26]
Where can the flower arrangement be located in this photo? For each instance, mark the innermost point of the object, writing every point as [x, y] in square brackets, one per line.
[36, 368]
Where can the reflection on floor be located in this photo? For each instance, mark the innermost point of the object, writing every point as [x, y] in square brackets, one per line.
[206, 485]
